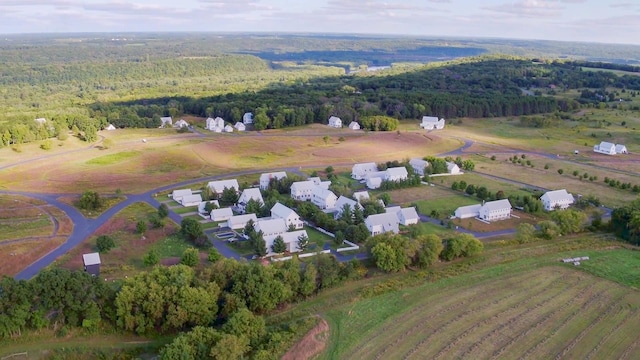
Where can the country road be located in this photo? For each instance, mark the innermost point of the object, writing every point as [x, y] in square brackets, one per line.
[84, 228]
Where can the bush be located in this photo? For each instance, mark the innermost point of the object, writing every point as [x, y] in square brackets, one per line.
[190, 257]
[105, 243]
[90, 200]
[151, 258]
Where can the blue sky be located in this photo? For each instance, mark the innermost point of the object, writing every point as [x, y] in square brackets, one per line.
[608, 21]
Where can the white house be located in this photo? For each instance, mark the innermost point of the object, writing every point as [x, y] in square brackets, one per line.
[247, 118]
[605, 148]
[495, 210]
[110, 127]
[265, 179]
[166, 121]
[469, 211]
[290, 240]
[215, 125]
[203, 205]
[406, 216]
[323, 198]
[218, 186]
[181, 123]
[354, 125]
[453, 168]
[340, 204]
[228, 128]
[335, 122]
[270, 227]
[290, 217]
[360, 171]
[318, 182]
[302, 190]
[222, 214]
[382, 223]
[361, 196]
[240, 126]
[418, 165]
[178, 194]
[248, 194]
[396, 174]
[621, 149]
[431, 123]
[41, 121]
[191, 200]
[240, 221]
[374, 183]
[556, 199]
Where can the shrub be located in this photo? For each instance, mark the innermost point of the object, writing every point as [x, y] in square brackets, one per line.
[105, 243]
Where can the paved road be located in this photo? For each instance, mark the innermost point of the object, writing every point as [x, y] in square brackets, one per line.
[84, 227]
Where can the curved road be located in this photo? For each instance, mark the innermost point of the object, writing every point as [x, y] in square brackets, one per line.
[84, 227]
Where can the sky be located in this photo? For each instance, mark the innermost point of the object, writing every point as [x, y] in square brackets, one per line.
[605, 21]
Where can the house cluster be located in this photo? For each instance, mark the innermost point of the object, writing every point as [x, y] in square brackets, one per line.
[432, 123]
[167, 121]
[218, 125]
[419, 165]
[369, 174]
[283, 222]
[501, 209]
[391, 219]
[336, 122]
[608, 148]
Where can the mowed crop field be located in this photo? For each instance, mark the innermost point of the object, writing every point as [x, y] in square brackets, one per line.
[548, 312]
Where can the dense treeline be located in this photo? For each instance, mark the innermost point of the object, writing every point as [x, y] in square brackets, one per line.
[225, 299]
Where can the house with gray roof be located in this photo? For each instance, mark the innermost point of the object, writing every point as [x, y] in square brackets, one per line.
[382, 223]
[556, 199]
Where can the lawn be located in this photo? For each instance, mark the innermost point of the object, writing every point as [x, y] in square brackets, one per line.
[318, 238]
[619, 265]
[185, 210]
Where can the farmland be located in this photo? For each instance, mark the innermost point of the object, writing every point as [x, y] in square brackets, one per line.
[541, 313]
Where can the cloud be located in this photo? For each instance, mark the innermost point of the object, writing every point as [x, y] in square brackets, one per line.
[533, 8]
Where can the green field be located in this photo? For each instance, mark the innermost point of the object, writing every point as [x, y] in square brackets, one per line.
[113, 158]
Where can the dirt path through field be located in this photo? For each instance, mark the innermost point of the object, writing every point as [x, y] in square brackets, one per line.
[312, 344]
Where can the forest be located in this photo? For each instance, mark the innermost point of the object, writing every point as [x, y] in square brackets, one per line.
[81, 83]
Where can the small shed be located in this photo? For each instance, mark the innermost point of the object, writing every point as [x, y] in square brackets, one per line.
[91, 263]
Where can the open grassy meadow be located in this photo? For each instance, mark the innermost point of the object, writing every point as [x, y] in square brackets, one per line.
[126, 258]
[29, 229]
[134, 166]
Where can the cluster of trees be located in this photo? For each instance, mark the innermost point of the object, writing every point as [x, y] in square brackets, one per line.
[625, 222]
[55, 298]
[166, 300]
[412, 180]
[481, 192]
[379, 123]
[565, 222]
[393, 252]
[620, 185]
